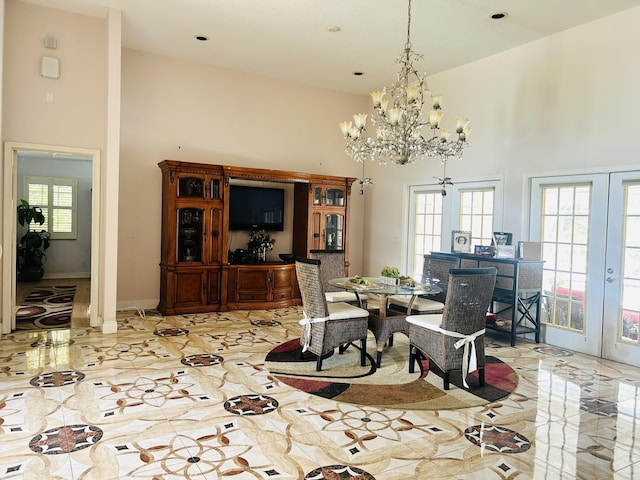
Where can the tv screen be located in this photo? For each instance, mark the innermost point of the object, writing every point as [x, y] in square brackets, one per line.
[256, 208]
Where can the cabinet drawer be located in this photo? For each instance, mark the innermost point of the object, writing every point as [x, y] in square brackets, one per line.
[466, 263]
[504, 282]
[252, 296]
[507, 269]
[283, 294]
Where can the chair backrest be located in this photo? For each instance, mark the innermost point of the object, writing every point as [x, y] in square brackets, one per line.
[468, 298]
[311, 290]
[437, 267]
[331, 266]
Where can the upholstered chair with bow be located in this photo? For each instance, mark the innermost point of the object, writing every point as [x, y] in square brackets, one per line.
[455, 339]
[327, 326]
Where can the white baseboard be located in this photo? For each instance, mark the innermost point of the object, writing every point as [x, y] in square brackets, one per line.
[149, 304]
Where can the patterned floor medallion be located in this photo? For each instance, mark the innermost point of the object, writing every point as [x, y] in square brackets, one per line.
[553, 351]
[497, 439]
[338, 472]
[202, 360]
[251, 405]
[171, 332]
[57, 379]
[266, 323]
[70, 438]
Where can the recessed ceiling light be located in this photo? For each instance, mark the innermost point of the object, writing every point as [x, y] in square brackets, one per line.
[358, 74]
[499, 15]
[334, 29]
[201, 38]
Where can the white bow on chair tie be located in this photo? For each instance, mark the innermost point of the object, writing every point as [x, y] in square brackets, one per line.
[306, 325]
[467, 366]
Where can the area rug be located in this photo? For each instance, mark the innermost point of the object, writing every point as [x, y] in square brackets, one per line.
[390, 386]
[46, 307]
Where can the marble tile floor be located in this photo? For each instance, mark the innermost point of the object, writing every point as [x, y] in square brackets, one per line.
[188, 397]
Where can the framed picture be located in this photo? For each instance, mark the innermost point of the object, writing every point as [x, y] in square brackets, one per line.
[505, 251]
[484, 250]
[502, 238]
[460, 241]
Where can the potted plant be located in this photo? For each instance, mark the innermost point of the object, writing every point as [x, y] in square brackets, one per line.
[31, 256]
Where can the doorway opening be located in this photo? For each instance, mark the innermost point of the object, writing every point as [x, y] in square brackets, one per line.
[51, 161]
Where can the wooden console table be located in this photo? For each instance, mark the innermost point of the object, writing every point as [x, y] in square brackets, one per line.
[518, 290]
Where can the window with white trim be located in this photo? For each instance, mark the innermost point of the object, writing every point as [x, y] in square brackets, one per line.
[471, 206]
[476, 214]
[57, 199]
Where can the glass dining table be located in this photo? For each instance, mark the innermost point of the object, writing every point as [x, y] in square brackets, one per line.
[383, 322]
[383, 290]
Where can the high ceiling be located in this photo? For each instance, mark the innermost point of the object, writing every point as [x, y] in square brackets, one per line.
[291, 39]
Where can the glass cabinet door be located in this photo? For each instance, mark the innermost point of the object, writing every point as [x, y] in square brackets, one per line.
[192, 187]
[317, 195]
[190, 234]
[333, 230]
[335, 197]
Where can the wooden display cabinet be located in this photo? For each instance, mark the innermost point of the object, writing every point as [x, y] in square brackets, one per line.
[191, 245]
[323, 211]
[194, 272]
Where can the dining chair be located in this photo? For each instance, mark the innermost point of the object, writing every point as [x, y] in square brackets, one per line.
[455, 338]
[332, 266]
[435, 269]
[327, 326]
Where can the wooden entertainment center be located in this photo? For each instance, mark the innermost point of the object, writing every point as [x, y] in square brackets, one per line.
[195, 273]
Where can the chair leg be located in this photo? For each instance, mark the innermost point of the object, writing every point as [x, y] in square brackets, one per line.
[319, 363]
[412, 358]
[363, 352]
[481, 375]
[342, 348]
[445, 380]
[390, 341]
[379, 359]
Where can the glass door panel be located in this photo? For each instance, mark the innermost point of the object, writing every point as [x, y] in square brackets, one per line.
[190, 235]
[335, 197]
[622, 275]
[317, 195]
[191, 187]
[334, 227]
[565, 215]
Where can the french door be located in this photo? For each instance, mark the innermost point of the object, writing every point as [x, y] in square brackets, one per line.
[589, 227]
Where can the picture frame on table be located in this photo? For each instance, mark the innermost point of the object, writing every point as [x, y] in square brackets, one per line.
[484, 250]
[505, 251]
[460, 241]
[502, 238]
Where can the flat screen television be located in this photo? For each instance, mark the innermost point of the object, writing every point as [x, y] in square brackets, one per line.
[256, 208]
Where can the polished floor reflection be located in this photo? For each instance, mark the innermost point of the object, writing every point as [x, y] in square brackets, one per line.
[188, 397]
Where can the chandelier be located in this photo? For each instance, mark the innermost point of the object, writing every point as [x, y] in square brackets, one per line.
[402, 135]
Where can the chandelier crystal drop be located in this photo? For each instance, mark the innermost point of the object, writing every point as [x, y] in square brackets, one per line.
[401, 134]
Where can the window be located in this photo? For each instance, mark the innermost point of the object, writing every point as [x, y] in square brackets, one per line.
[57, 198]
[476, 214]
[474, 206]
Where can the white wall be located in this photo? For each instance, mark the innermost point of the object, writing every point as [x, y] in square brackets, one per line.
[565, 103]
[184, 111]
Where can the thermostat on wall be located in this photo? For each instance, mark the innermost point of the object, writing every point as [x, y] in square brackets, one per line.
[50, 67]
